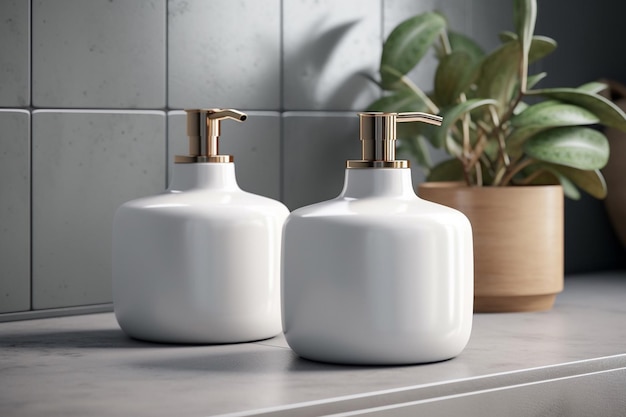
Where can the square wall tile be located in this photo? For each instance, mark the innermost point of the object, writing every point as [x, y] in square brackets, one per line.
[96, 53]
[14, 53]
[14, 210]
[458, 14]
[328, 45]
[254, 144]
[86, 164]
[224, 53]
[315, 149]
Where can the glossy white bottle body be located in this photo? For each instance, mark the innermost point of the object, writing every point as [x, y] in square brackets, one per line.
[377, 275]
[199, 263]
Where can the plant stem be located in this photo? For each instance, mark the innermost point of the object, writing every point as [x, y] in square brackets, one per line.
[429, 103]
[479, 174]
[445, 42]
[466, 136]
[483, 156]
[505, 118]
[498, 131]
[468, 179]
[514, 169]
[505, 159]
[478, 150]
[498, 177]
[523, 73]
[531, 177]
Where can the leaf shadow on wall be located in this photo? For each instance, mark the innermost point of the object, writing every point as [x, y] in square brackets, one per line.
[311, 61]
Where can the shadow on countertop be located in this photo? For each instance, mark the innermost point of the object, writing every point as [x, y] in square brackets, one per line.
[250, 359]
[79, 339]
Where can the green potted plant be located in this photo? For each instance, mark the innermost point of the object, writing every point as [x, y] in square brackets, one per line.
[514, 148]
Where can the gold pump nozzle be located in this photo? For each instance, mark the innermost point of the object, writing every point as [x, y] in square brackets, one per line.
[378, 137]
[203, 129]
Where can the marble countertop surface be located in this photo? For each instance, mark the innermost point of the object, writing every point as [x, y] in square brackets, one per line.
[86, 366]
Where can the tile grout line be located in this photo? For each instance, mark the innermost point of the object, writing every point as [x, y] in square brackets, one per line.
[167, 92]
[281, 132]
[30, 158]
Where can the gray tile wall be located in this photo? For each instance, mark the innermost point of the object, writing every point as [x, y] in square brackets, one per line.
[14, 210]
[225, 53]
[90, 100]
[98, 54]
[85, 163]
[14, 53]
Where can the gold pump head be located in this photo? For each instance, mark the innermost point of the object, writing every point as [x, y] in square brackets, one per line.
[203, 129]
[378, 138]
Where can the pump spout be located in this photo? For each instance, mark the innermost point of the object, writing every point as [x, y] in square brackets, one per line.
[220, 114]
[203, 129]
[431, 119]
[378, 138]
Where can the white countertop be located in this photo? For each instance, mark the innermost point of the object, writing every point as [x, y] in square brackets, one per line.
[569, 360]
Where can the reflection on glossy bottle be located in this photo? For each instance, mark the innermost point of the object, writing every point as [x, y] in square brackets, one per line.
[201, 262]
[378, 275]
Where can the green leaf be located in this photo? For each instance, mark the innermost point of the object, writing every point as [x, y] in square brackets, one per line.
[551, 176]
[524, 17]
[540, 47]
[454, 74]
[449, 170]
[462, 43]
[533, 80]
[507, 36]
[520, 107]
[545, 174]
[453, 114]
[491, 150]
[515, 141]
[499, 75]
[608, 113]
[593, 87]
[401, 101]
[418, 149]
[590, 181]
[410, 131]
[576, 147]
[542, 116]
[407, 44]
[569, 189]
[553, 113]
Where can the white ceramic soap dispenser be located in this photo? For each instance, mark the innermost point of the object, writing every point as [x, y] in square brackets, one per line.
[377, 275]
[201, 262]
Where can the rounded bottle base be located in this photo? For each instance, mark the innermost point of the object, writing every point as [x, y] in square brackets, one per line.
[196, 337]
[372, 352]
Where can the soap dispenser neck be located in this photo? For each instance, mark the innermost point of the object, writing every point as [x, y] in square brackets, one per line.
[213, 176]
[373, 183]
